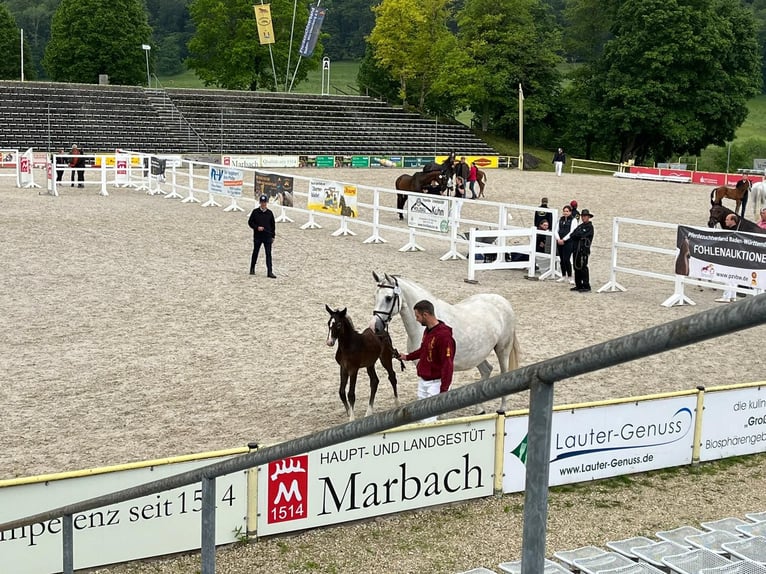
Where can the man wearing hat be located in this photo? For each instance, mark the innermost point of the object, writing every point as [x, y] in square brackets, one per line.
[582, 237]
[264, 231]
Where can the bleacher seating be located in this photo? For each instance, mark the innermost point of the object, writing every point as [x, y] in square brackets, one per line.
[47, 115]
[683, 550]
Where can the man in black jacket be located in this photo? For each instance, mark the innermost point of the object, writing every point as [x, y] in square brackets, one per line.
[264, 231]
[582, 237]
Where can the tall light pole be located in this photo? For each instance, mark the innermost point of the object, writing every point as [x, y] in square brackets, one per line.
[146, 48]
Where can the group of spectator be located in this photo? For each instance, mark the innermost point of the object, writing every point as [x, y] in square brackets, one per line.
[573, 236]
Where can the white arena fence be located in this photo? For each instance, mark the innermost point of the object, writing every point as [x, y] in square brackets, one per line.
[422, 465]
[191, 182]
[623, 260]
[18, 166]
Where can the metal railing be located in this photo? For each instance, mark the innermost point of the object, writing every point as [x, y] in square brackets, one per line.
[183, 123]
[538, 378]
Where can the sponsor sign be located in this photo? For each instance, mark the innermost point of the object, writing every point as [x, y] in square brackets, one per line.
[418, 161]
[8, 158]
[245, 161]
[729, 257]
[390, 161]
[429, 212]
[279, 188]
[734, 423]
[599, 442]
[225, 181]
[333, 197]
[375, 475]
[759, 164]
[325, 161]
[360, 161]
[153, 525]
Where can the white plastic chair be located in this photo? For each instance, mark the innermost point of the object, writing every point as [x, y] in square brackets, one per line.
[678, 535]
[597, 564]
[693, 561]
[550, 567]
[753, 549]
[624, 546]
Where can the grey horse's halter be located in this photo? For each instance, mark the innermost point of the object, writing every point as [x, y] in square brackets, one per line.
[386, 316]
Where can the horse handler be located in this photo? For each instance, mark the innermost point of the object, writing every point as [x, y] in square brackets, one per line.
[436, 354]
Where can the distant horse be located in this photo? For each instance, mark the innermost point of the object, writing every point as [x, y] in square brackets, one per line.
[759, 198]
[738, 194]
[718, 214]
[481, 179]
[416, 182]
[357, 350]
[480, 324]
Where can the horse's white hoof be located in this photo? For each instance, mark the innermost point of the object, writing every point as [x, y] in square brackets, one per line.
[368, 413]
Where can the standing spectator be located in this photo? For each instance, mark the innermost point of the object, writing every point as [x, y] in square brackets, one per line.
[436, 354]
[61, 161]
[462, 170]
[77, 162]
[543, 245]
[472, 175]
[559, 159]
[762, 222]
[731, 221]
[575, 211]
[264, 231]
[460, 187]
[582, 237]
[547, 215]
[564, 244]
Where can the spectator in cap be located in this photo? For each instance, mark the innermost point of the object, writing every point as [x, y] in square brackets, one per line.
[540, 214]
[264, 228]
[575, 211]
[582, 237]
[77, 162]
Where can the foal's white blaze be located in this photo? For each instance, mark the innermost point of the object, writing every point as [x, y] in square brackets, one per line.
[330, 339]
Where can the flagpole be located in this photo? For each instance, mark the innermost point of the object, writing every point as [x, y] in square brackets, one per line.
[290, 50]
[273, 67]
[521, 128]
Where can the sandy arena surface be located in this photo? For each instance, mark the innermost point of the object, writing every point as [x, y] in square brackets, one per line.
[132, 330]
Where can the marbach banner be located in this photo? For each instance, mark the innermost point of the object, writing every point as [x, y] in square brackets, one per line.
[311, 35]
[263, 21]
[723, 256]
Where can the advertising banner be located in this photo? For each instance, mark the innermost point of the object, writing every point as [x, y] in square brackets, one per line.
[325, 161]
[375, 475]
[279, 188]
[225, 181]
[311, 33]
[263, 22]
[418, 161]
[149, 526]
[728, 257]
[360, 161]
[429, 212]
[734, 423]
[390, 161]
[599, 442]
[333, 197]
[8, 158]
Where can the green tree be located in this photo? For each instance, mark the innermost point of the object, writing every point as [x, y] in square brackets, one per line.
[347, 24]
[507, 43]
[225, 51]
[91, 37]
[409, 40]
[172, 29]
[675, 78]
[34, 17]
[10, 64]
[587, 27]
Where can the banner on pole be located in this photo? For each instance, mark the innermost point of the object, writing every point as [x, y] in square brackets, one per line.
[263, 21]
[311, 35]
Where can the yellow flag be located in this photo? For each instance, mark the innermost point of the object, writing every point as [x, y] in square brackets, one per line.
[263, 20]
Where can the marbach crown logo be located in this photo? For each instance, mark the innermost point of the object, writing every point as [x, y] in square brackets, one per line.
[288, 489]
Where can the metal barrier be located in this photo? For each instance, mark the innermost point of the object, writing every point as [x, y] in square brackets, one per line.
[539, 378]
[588, 165]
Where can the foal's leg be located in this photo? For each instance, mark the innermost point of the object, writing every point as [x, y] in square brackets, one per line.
[386, 359]
[342, 393]
[374, 380]
[352, 392]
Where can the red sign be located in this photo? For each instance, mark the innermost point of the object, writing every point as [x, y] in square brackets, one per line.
[288, 489]
[26, 167]
[483, 162]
